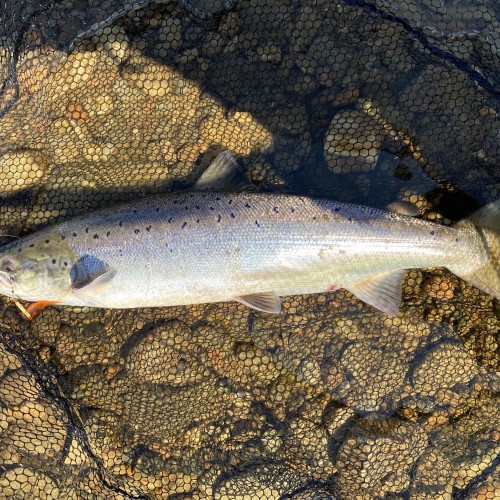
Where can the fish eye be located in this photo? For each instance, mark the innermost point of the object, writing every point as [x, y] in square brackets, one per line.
[8, 266]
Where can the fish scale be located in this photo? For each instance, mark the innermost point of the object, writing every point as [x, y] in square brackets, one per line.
[198, 247]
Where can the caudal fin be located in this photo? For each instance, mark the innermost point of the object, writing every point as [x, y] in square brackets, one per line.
[487, 224]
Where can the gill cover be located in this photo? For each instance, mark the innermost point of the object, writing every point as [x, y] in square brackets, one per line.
[38, 269]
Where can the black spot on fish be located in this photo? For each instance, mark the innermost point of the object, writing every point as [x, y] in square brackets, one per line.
[292, 210]
[53, 261]
[32, 245]
[432, 233]
[136, 231]
[46, 241]
[230, 202]
[232, 215]
[175, 202]
[148, 228]
[350, 219]
[186, 208]
[197, 207]
[217, 198]
[63, 237]
[170, 220]
[197, 221]
[134, 211]
[65, 264]
[219, 218]
[212, 208]
[247, 205]
[120, 223]
[184, 224]
[276, 209]
[456, 240]
[257, 223]
[87, 230]
[157, 209]
[74, 235]
[108, 233]
[171, 250]
[96, 236]
[314, 218]
[337, 209]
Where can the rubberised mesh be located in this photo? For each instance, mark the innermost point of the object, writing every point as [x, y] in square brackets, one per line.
[356, 101]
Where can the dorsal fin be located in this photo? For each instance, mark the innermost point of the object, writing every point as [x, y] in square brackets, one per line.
[223, 174]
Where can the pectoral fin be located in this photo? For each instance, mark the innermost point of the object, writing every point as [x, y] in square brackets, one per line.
[96, 283]
[90, 273]
[267, 302]
[382, 291]
[32, 311]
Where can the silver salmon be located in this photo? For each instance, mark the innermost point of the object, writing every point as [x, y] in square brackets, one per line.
[213, 246]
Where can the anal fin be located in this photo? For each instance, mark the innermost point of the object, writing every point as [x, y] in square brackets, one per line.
[267, 302]
[382, 291]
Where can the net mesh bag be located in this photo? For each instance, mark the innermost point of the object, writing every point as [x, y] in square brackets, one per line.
[108, 101]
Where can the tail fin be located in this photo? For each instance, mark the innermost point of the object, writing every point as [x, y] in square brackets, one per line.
[486, 221]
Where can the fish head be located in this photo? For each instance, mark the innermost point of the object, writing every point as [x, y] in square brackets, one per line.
[36, 269]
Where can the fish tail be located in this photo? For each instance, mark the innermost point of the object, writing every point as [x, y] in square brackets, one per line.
[486, 222]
